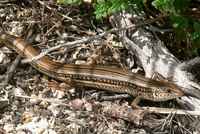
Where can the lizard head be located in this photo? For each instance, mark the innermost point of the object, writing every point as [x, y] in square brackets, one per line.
[167, 91]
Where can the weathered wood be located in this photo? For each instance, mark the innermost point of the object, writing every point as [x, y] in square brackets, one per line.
[154, 57]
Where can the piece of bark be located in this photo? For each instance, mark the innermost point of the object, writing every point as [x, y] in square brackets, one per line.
[155, 58]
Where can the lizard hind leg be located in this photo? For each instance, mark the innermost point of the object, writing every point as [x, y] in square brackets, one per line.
[135, 102]
[138, 112]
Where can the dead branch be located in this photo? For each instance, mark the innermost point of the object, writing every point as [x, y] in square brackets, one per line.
[155, 58]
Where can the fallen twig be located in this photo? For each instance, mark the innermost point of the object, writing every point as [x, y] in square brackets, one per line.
[10, 72]
[171, 110]
[48, 7]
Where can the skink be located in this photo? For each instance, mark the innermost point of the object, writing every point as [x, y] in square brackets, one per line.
[107, 78]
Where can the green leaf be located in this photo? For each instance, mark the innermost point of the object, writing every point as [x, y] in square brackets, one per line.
[101, 9]
[179, 22]
[196, 36]
[181, 5]
[166, 6]
[105, 8]
[196, 26]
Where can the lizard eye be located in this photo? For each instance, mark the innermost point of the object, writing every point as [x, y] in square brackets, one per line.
[168, 90]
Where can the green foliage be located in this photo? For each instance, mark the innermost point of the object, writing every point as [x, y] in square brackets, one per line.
[196, 41]
[196, 33]
[186, 27]
[181, 5]
[179, 22]
[104, 8]
[164, 5]
[171, 6]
